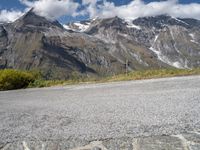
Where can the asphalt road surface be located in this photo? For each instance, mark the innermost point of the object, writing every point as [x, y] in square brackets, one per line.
[122, 115]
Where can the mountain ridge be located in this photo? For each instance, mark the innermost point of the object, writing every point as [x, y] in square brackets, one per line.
[99, 47]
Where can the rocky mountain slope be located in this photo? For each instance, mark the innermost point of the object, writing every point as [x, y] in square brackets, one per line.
[32, 42]
[100, 46]
[173, 41]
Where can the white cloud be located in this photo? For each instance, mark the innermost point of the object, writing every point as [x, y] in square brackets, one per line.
[84, 2]
[91, 7]
[53, 9]
[139, 8]
[9, 16]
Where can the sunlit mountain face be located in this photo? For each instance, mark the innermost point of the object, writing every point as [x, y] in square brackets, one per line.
[99, 46]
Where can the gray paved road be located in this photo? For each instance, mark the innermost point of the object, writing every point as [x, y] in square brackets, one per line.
[77, 115]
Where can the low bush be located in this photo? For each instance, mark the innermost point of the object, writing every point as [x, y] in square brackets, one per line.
[45, 83]
[14, 79]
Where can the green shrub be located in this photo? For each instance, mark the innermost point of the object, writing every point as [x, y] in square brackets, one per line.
[45, 83]
[13, 79]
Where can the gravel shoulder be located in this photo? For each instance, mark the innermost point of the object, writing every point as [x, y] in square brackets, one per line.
[77, 115]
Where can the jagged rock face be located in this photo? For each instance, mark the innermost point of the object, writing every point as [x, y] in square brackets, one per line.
[174, 42]
[127, 42]
[47, 46]
[160, 22]
[100, 46]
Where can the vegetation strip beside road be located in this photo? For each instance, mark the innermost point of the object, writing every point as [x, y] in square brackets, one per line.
[17, 79]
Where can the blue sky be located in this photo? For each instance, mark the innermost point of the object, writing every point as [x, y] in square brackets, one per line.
[16, 5]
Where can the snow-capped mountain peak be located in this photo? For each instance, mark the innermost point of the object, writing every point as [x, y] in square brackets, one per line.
[81, 26]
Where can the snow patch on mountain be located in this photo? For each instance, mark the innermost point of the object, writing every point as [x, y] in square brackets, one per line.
[78, 26]
[82, 27]
[193, 40]
[131, 25]
[67, 27]
[180, 20]
[163, 58]
[175, 47]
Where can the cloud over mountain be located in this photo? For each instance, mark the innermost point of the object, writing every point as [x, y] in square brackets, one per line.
[53, 9]
[139, 8]
[9, 16]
